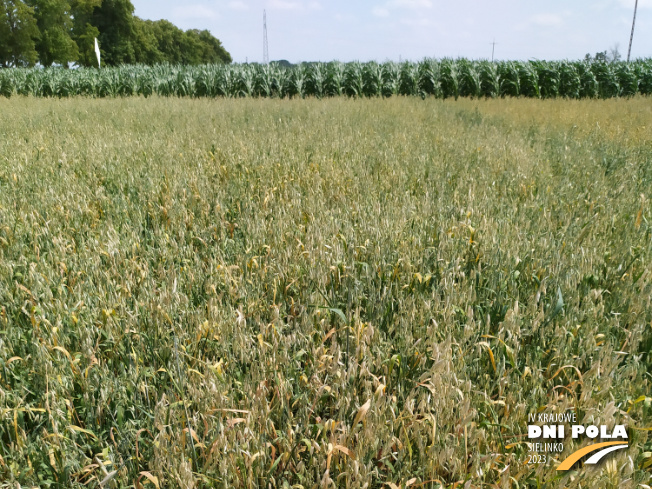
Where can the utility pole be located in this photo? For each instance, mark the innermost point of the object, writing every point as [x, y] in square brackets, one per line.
[631, 37]
[265, 46]
[493, 48]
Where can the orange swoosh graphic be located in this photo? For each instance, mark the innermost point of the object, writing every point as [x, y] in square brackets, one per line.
[575, 456]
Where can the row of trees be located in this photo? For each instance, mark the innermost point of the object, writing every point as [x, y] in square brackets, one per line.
[611, 56]
[63, 32]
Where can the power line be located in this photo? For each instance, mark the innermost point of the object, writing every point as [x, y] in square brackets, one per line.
[493, 48]
[265, 45]
[631, 37]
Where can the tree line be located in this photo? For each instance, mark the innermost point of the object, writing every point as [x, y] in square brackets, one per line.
[63, 32]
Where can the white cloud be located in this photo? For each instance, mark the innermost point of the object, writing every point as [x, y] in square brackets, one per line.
[380, 12]
[418, 22]
[285, 5]
[543, 21]
[629, 4]
[344, 17]
[194, 12]
[411, 4]
[238, 5]
[384, 10]
[547, 20]
[294, 5]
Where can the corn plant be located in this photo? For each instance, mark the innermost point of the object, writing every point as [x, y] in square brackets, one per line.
[430, 78]
[607, 81]
[549, 79]
[6, 87]
[489, 79]
[316, 83]
[588, 81]
[510, 84]
[470, 82]
[390, 75]
[450, 78]
[528, 77]
[408, 83]
[227, 82]
[294, 82]
[247, 81]
[644, 74]
[569, 80]
[335, 79]
[372, 74]
[264, 80]
[354, 79]
[627, 80]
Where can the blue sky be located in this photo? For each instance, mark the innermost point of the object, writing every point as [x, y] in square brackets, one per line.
[324, 30]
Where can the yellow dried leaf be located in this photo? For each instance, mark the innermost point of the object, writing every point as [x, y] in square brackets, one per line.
[63, 350]
[362, 412]
[82, 430]
[486, 346]
[234, 421]
[344, 450]
[196, 372]
[153, 479]
[192, 433]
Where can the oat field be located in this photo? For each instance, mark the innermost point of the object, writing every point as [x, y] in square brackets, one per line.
[350, 293]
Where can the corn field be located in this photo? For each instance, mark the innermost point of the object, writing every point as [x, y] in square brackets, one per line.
[445, 78]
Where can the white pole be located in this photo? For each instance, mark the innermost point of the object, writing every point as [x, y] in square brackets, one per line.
[97, 53]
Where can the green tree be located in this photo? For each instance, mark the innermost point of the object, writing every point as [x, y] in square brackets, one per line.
[64, 31]
[55, 24]
[83, 30]
[613, 56]
[115, 21]
[175, 46]
[18, 32]
[214, 52]
[86, 43]
[192, 52]
[170, 40]
[145, 43]
[614, 53]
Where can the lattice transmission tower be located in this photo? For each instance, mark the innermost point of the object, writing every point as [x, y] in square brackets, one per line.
[265, 45]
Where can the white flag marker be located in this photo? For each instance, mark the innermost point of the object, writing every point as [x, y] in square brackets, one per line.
[97, 52]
